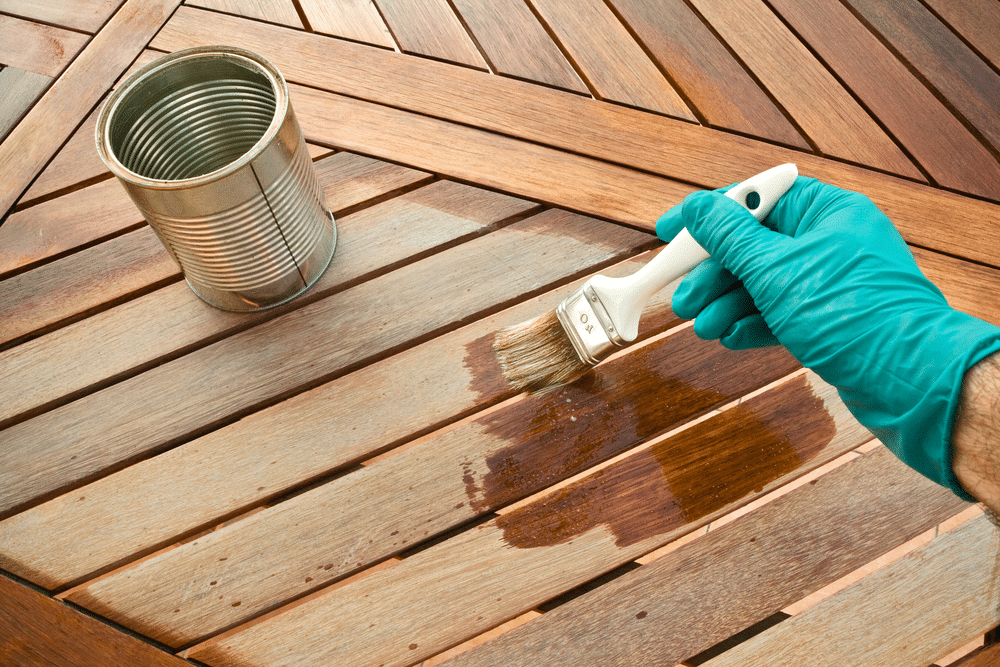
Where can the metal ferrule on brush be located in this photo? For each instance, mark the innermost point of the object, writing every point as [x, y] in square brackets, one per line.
[588, 326]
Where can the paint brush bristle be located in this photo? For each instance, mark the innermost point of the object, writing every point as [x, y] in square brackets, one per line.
[537, 356]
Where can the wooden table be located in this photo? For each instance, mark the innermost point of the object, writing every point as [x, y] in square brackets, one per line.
[347, 480]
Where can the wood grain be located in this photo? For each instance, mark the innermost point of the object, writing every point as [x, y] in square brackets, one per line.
[37, 48]
[37, 631]
[614, 133]
[735, 575]
[927, 44]
[950, 154]
[354, 19]
[287, 354]
[86, 15]
[424, 491]
[385, 613]
[704, 70]
[976, 21]
[430, 28]
[163, 497]
[609, 58]
[21, 90]
[33, 142]
[819, 104]
[516, 44]
[944, 593]
[275, 11]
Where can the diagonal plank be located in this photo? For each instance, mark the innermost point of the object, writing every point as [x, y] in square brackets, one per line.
[354, 19]
[950, 153]
[988, 656]
[37, 48]
[614, 133]
[976, 21]
[746, 571]
[613, 63]
[182, 490]
[704, 70]
[944, 593]
[286, 355]
[500, 569]
[37, 631]
[276, 11]
[85, 15]
[430, 28]
[21, 89]
[516, 44]
[425, 491]
[33, 142]
[819, 104]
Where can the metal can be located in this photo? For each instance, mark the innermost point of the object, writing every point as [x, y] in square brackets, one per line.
[207, 145]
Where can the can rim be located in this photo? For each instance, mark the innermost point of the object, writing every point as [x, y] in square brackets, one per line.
[242, 56]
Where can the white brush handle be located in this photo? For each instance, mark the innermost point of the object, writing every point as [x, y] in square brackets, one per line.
[625, 298]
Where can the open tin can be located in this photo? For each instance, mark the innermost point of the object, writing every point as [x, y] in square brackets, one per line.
[207, 145]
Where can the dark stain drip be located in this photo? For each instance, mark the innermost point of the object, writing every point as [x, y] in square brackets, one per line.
[621, 405]
[686, 477]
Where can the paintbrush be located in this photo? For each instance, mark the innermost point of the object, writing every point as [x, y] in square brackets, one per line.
[560, 346]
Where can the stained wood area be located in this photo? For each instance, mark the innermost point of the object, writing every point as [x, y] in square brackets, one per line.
[347, 479]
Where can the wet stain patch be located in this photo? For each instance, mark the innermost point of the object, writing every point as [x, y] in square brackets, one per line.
[487, 378]
[684, 478]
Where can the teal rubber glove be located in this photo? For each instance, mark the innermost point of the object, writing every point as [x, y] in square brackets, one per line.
[829, 277]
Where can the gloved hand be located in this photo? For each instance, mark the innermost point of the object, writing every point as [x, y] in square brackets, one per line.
[834, 282]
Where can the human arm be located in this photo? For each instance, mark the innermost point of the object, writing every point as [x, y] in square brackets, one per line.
[976, 433]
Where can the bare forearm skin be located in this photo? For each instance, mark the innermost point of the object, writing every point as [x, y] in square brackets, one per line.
[975, 436]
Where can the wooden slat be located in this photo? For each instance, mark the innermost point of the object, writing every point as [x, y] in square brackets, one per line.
[180, 491]
[943, 594]
[354, 19]
[988, 656]
[86, 15]
[967, 82]
[613, 63]
[173, 319]
[516, 44]
[287, 354]
[500, 569]
[425, 491]
[967, 287]
[33, 142]
[704, 70]
[20, 90]
[822, 108]
[736, 575]
[37, 48]
[37, 631]
[950, 153]
[276, 11]
[430, 28]
[976, 21]
[618, 134]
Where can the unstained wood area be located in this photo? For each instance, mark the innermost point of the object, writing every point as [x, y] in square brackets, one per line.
[346, 479]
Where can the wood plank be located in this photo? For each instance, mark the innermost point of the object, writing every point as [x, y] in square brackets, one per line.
[988, 656]
[162, 324]
[37, 48]
[950, 154]
[352, 19]
[500, 569]
[180, 491]
[708, 157]
[85, 15]
[704, 70]
[275, 11]
[944, 593]
[33, 142]
[283, 356]
[516, 44]
[819, 104]
[614, 65]
[976, 21]
[927, 44]
[37, 631]
[430, 28]
[21, 90]
[967, 287]
[746, 570]
[425, 491]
